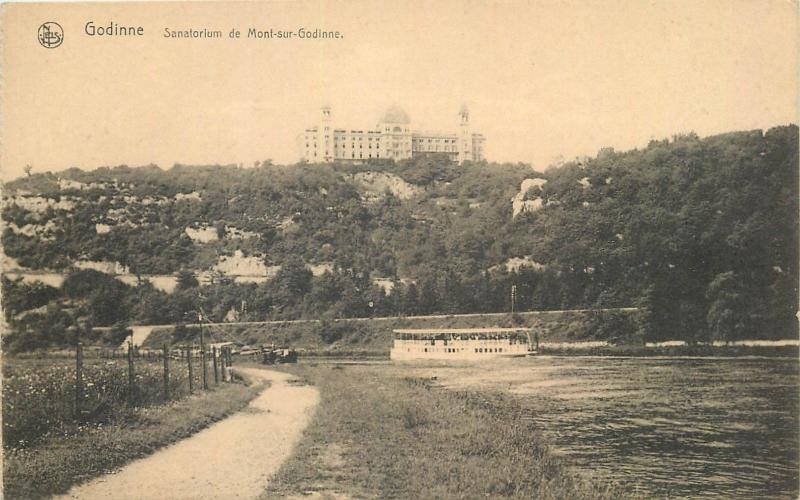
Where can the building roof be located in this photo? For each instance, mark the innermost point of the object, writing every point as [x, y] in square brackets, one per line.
[395, 114]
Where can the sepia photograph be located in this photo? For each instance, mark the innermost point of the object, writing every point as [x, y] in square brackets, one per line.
[455, 249]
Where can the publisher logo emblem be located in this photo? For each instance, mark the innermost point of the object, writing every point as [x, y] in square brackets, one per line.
[51, 34]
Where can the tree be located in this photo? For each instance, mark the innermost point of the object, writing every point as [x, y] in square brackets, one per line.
[291, 284]
[186, 280]
[19, 296]
[410, 300]
[428, 301]
[728, 314]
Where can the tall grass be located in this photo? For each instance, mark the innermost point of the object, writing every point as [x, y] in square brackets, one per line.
[377, 434]
[59, 462]
[39, 397]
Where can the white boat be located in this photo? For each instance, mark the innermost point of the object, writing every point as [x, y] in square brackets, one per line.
[461, 343]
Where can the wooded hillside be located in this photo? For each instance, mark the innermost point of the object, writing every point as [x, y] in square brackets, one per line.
[701, 233]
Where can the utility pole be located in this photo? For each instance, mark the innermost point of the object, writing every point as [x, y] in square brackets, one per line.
[203, 352]
[78, 379]
[513, 298]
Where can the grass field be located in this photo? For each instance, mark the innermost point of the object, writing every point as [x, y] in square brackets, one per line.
[380, 434]
[39, 394]
[61, 453]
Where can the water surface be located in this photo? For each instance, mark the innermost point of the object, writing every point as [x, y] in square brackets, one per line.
[663, 427]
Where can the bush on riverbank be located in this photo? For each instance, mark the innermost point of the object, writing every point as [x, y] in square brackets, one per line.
[378, 434]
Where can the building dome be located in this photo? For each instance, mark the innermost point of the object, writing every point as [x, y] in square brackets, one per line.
[395, 115]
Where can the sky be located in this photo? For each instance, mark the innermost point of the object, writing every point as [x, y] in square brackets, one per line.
[543, 80]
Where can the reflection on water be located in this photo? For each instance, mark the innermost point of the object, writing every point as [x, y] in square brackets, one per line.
[665, 427]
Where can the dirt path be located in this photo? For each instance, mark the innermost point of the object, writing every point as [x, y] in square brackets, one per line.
[233, 458]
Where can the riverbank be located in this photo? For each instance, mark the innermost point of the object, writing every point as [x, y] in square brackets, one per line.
[658, 426]
[58, 463]
[341, 337]
[700, 350]
[379, 433]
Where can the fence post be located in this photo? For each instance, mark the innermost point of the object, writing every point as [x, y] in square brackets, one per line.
[214, 360]
[78, 379]
[222, 363]
[205, 367]
[131, 376]
[166, 373]
[189, 361]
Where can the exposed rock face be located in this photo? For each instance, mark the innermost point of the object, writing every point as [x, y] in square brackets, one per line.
[42, 231]
[233, 233]
[517, 263]
[40, 204]
[320, 269]
[520, 205]
[387, 284]
[103, 266]
[193, 196]
[203, 234]
[239, 265]
[375, 184]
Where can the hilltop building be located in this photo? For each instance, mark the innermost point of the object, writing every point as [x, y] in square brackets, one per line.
[391, 138]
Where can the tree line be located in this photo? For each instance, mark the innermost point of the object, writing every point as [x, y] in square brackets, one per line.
[701, 233]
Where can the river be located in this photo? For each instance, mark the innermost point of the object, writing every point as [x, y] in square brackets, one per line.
[660, 427]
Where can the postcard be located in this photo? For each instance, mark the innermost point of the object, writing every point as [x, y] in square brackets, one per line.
[425, 249]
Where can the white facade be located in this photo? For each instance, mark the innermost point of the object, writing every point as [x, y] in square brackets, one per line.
[392, 138]
[460, 344]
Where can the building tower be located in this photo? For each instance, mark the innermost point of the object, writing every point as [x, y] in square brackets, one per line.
[395, 129]
[325, 135]
[464, 136]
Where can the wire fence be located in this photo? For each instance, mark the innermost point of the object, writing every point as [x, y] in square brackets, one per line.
[43, 397]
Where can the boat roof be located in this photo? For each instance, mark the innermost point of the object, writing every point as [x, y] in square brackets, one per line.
[437, 331]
